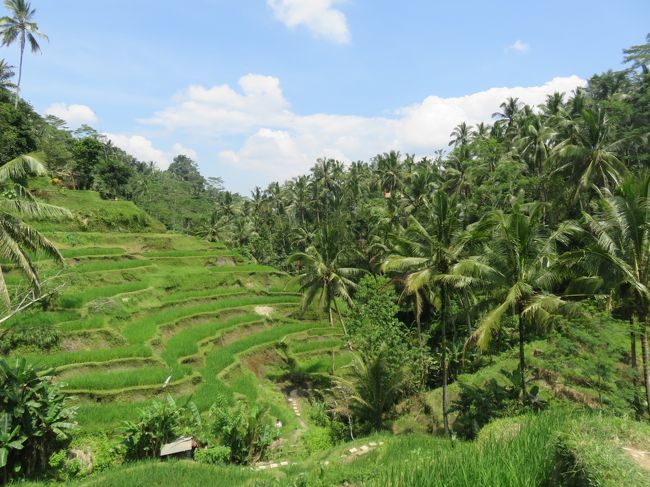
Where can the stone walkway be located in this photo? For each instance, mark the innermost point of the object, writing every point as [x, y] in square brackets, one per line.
[361, 450]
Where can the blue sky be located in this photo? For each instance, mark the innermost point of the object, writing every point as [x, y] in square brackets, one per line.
[256, 90]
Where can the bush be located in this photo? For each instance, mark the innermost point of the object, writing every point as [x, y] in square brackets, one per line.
[245, 430]
[158, 424]
[478, 404]
[30, 337]
[217, 455]
[35, 419]
[317, 439]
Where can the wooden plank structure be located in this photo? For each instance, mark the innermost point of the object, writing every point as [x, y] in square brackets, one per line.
[181, 448]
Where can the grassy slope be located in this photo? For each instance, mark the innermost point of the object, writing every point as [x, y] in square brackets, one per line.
[139, 305]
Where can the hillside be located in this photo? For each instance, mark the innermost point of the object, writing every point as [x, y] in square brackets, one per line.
[137, 308]
[146, 315]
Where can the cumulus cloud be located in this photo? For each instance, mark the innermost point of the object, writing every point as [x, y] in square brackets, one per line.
[179, 149]
[319, 16]
[75, 115]
[141, 148]
[281, 143]
[222, 109]
[518, 46]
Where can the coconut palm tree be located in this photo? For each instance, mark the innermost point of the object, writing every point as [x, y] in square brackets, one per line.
[622, 241]
[16, 238]
[427, 257]
[6, 74]
[322, 274]
[460, 135]
[20, 26]
[522, 254]
[590, 153]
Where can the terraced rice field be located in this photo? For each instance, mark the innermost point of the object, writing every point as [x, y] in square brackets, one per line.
[145, 315]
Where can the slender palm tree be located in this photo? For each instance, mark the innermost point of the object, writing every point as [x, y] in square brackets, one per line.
[622, 241]
[20, 26]
[460, 135]
[427, 256]
[6, 75]
[16, 238]
[523, 255]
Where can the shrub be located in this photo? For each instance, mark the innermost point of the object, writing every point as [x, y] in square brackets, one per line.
[478, 404]
[158, 424]
[34, 337]
[317, 439]
[217, 455]
[36, 420]
[245, 430]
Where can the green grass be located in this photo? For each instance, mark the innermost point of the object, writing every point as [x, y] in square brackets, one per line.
[176, 473]
[593, 452]
[210, 252]
[525, 460]
[109, 265]
[186, 342]
[91, 251]
[144, 329]
[80, 298]
[111, 380]
[82, 356]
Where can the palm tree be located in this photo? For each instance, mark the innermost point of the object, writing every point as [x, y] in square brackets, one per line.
[590, 154]
[622, 241]
[460, 135]
[16, 238]
[20, 26]
[522, 255]
[322, 274]
[427, 255]
[375, 387]
[6, 74]
[508, 115]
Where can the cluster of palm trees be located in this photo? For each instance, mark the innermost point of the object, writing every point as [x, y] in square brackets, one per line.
[546, 201]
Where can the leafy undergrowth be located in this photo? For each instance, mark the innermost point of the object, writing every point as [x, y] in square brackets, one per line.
[582, 361]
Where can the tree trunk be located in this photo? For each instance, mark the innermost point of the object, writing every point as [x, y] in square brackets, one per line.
[20, 68]
[635, 369]
[332, 325]
[522, 357]
[644, 355]
[443, 323]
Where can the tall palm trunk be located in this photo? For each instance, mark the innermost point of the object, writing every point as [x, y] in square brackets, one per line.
[522, 356]
[20, 68]
[634, 367]
[445, 373]
[644, 355]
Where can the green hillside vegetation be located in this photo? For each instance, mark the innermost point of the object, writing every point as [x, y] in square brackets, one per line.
[476, 318]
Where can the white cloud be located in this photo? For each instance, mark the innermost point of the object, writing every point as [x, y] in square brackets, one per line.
[74, 115]
[281, 143]
[518, 46]
[222, 109]
[319, 16]
[141, 148]
[179, 149]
